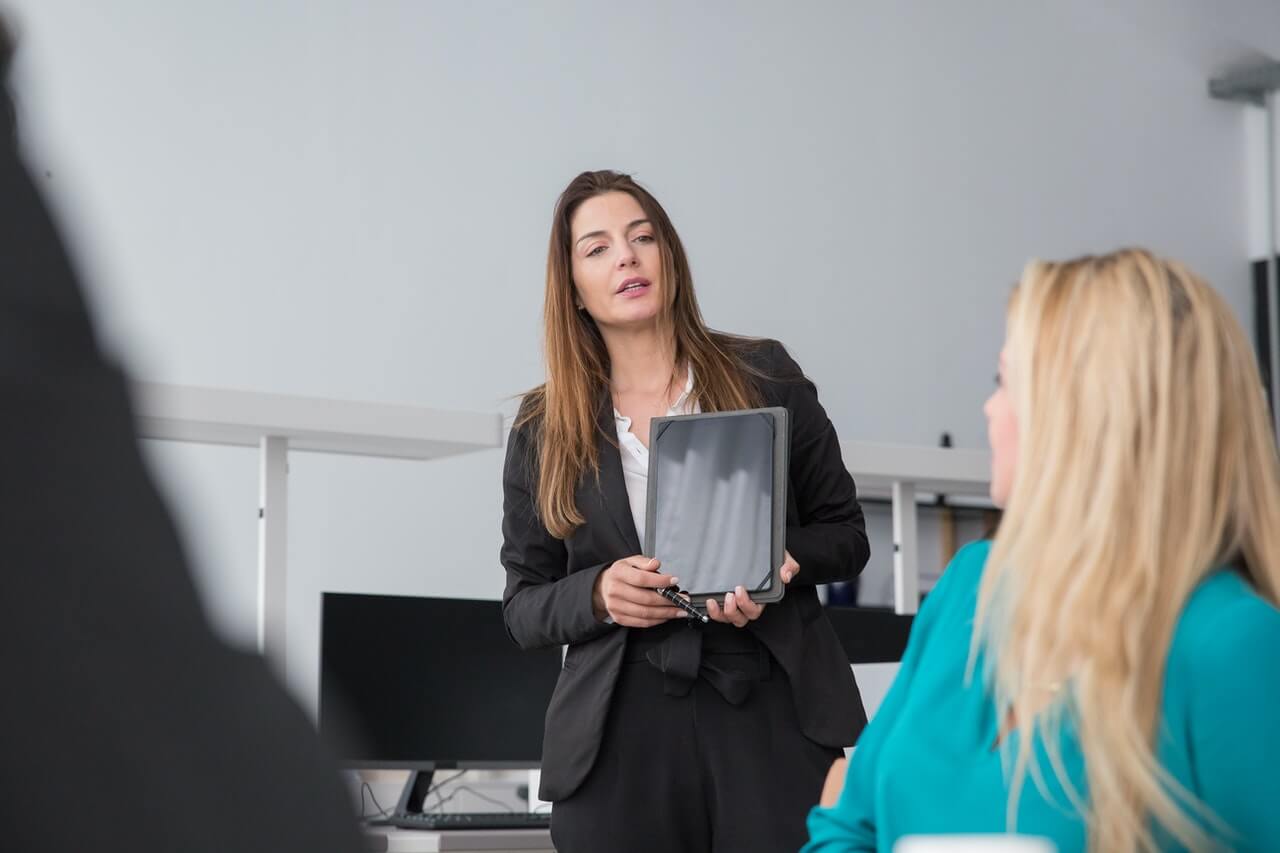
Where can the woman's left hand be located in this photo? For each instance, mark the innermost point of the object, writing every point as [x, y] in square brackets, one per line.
[738, 608]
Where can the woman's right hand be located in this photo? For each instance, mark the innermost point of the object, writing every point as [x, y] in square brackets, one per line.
[625, 592]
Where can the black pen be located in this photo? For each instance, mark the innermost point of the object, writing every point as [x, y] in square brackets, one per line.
[670, 595]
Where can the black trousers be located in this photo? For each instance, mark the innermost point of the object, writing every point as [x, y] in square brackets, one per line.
[694, 773]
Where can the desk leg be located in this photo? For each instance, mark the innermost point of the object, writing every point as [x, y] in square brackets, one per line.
[906, 551]
[273, 515]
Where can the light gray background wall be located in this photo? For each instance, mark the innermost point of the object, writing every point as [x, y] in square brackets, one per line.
[351, 200]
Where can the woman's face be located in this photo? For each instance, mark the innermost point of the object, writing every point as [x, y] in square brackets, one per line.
[1002, 433]
[617, 266]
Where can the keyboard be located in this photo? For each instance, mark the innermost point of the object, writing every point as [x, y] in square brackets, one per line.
[451, 821]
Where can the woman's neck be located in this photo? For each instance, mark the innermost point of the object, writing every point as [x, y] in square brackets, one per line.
[640, 361]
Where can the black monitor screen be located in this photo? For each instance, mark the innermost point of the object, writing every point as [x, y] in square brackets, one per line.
[429, 682]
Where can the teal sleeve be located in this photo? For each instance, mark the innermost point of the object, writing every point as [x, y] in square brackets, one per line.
[850, 824]
[1234, 721]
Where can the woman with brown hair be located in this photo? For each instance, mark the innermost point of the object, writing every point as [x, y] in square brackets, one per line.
[663, 733]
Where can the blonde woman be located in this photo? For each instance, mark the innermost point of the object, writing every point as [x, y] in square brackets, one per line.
[1106, 673]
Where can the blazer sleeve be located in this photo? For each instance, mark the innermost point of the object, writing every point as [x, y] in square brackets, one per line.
[830, 539]
[543, 603]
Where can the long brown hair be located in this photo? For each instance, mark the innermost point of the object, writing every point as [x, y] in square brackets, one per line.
[565, 411]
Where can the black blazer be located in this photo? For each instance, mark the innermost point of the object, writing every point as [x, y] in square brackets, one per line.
[549, 581]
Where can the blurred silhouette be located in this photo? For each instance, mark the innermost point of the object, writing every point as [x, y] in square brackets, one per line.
[124, 723]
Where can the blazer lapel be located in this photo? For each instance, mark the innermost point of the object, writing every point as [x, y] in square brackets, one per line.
[613, 487]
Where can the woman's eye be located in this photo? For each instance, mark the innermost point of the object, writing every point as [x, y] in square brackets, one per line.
[597, 250]
[644, 238]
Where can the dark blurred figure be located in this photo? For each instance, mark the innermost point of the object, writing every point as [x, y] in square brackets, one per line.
[124, 724]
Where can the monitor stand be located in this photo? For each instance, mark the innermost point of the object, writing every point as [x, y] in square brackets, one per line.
[416, 788]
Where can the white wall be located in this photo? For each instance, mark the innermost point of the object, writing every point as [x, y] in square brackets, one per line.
[352, 199]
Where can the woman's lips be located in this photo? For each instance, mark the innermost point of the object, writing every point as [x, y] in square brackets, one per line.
[634, 287]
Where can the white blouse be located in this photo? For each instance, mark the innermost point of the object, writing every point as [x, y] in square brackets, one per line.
[635, 456]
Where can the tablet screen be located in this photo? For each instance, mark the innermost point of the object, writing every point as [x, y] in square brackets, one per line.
[711, 482]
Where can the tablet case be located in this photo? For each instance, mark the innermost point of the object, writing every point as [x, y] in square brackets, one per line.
[779, 449]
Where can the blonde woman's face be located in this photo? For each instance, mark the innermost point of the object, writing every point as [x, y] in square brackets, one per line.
[1002, 433]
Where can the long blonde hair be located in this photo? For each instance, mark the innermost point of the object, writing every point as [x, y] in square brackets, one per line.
[565, 411]
[1146, 459]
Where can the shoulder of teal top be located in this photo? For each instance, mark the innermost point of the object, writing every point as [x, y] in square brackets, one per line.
[1221, 706]
[962, 575]
[1226, 631]
[1223, 610]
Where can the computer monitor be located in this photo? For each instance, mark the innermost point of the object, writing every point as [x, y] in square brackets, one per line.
[427, 684]
[871, 634]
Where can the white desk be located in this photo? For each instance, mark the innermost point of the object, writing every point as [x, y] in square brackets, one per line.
[899, 472]
[276, 424]
[393, 840]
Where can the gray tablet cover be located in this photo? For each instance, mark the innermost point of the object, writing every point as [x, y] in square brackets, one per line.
[717, 501]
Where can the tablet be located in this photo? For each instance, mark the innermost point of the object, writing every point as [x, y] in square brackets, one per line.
[716, 513]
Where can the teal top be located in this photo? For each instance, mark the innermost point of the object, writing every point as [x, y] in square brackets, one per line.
[926, 765]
